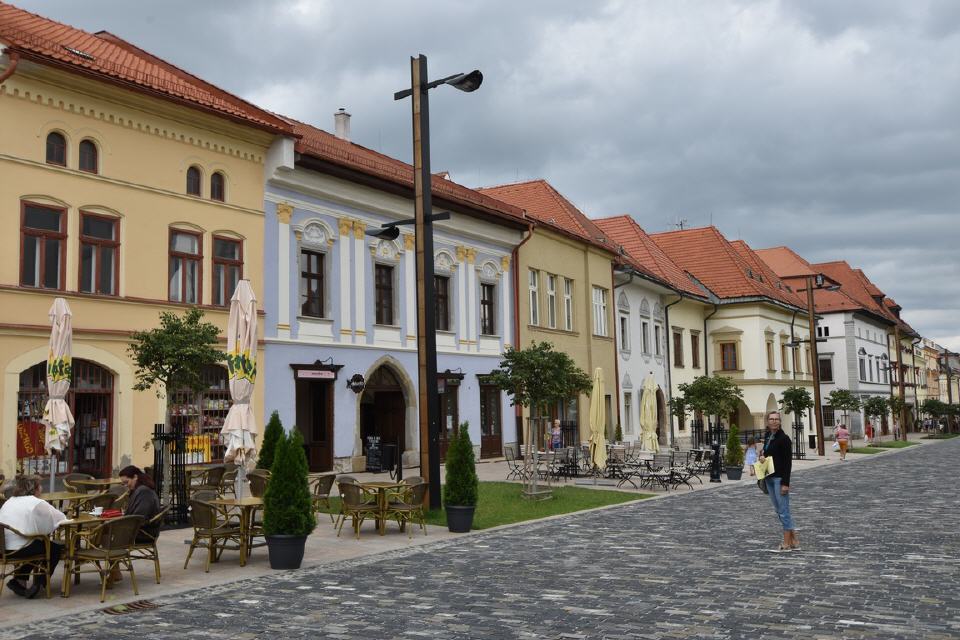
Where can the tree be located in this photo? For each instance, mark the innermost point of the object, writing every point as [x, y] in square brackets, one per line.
[271, 437]
[843, 400]
[897, 405]
[714, 395]
[461, 486]
[734, 455]
[796, 400]
[876, 408]
[933, 407]
[287, 503]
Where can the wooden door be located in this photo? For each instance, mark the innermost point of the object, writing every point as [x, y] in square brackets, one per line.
[315, 421]
[491, 433]
[449, 417]
[390, 418]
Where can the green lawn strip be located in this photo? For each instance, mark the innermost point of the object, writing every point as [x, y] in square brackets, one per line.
[893, 444]
[500, 503]
[941, 436]
[867, 450]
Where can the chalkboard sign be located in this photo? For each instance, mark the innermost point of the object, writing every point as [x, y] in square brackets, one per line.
[374, 461]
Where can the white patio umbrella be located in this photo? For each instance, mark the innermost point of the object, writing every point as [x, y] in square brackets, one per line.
[240, 426]
[598, 422]
[56, 413]
[648, 415]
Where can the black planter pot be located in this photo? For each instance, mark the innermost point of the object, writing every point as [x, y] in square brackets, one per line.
[286, 552]
[459, 519]
[734, 473]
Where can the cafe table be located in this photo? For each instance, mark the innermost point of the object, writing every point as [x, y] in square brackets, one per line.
[99, 484]
[73, 530]
[246, 506]
[57, 498]
[382, 489]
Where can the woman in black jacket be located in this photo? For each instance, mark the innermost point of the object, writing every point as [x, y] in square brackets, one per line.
[777, 445]
[143, 500]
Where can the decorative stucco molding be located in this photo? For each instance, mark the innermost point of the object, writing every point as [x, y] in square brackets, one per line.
[284, 212]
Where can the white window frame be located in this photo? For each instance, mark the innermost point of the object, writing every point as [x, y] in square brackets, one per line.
[568, 304]
[600, 312]
[551, 301]
[534, 284]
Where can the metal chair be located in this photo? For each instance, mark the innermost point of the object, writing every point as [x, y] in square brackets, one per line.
[320, 488]
[515, 469]
[211, 532]
[39, 563]
[145, 547]
[357, 504]
[209, 480]
[70, 477]
[108, 549]
[407, 506]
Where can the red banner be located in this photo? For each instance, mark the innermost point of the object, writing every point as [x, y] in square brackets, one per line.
[30, 439]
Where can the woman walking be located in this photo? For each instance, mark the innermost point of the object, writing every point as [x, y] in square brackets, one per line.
[777, 445]
[842, 436]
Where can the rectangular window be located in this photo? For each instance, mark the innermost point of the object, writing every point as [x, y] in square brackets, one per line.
[771, 366]
[728, 356]
[645, 336]
[488, 309]
[870, 370]
[490, 411]
[863, 370]
[186, 259]
[826, 370]
[568, 304]
[878, 371]
[551, 301]
[42, 246]
[829, 419]
[784, 358]
[99, 246]
[625, 333]
[227, 269]
[826, 332]
[534, 297]
[677, 348]
[311, 284]
[657, 349]
[383, 276]
[628, 412]
[441, 293]
[796, 360]
[600, 312]
[695, 350]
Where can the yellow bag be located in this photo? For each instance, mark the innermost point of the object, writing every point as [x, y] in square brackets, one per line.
[763, 469]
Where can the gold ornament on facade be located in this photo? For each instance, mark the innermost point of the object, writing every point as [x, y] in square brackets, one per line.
[359, 228]
[505, 263]
[471, 255]
[284, 212]
[409, 241]
[461, 253]
[346, 224]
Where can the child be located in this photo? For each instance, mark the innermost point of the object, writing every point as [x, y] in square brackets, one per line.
[751, 455]
[555, 435]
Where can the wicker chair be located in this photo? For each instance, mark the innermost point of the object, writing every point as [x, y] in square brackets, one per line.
[147, 549]
[228, 483]
[407, 506]
[209, 480]
[259, 478]
[211, 531]
[39, 564]
[321, 486]
[121, 495]
[102, 500]
[412, 480]
[356, 503]
[70, 477]
[108, 548]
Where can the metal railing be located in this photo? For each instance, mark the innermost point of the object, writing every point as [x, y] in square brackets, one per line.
[169, 470]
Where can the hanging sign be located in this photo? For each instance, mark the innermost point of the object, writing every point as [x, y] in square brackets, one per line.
[316, 374]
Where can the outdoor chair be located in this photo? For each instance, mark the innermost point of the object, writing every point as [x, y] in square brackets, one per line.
[616, 460]
[321, 486]
[108, 548]
[145, 548]
[209, 480]
[357, 504]
[102, 500]
[39, 563]
[407, 506]
[212, 531]
[515, 470]
[70, 477]
[228, 483]
[412, 480]
[258, 482]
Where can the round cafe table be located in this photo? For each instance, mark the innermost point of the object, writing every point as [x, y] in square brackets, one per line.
[381, 488]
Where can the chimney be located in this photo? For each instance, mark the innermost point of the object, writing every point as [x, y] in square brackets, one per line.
[341, 120]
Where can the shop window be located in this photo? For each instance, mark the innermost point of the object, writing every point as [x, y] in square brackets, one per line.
[42, 239]
[201, 414]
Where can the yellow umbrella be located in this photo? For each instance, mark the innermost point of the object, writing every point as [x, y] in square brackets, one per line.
[56, 413]
[598, 422]
[648, 415]
[240, 426]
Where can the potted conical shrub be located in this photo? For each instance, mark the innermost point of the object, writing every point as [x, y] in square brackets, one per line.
[288, 516]
[734, 455]
[461, 486]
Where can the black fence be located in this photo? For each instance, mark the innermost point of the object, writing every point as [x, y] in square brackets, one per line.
[799, 446]
[169, 455]
[704, 438]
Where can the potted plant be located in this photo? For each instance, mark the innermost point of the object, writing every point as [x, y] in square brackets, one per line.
[461, 486]
[288, 516]
[734, 455]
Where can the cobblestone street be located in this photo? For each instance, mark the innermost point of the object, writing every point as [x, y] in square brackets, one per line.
[880, 559]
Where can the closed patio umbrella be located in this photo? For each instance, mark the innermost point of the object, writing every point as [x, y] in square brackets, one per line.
[598, 422]
[240, 427]
[648, 415]
[56, 413]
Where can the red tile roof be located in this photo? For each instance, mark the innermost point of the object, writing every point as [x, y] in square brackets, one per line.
[108, 58]
[729, 270]
[785, 262]
[327, 147]
[646, 255]
[548, 207]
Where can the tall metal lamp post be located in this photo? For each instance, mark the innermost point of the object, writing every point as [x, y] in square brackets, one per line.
[429, 405]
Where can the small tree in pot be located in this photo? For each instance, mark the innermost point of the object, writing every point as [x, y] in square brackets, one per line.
[734, 454]
[288, 516]
[268, 446]
[461, 487]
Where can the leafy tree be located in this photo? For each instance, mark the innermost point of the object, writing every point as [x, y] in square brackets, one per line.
[877, 408]
[678, 407]
[897, 405]
[714, 395]
[271, 436]
[461, 485]
[796, 400]
[843, 400]
[933, 407]
[287, 503]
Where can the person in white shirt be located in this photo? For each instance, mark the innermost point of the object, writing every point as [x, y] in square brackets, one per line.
[29, 515]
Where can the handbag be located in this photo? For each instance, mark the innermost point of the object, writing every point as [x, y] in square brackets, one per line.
[836, 446]
[762, 484]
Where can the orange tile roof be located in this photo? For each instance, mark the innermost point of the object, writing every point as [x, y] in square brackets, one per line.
[327, 147]
[645, 254]
[728, 270]
[108, 58]
[547, 206]
[855, 284]
[785, 262]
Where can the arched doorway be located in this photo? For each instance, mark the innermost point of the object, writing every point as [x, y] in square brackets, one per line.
[662, 430]
[91, 402]
[383, 410]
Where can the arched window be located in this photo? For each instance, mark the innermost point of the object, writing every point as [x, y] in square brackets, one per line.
[193, 181]
[56, 149]
[89, 160]
[217, 188]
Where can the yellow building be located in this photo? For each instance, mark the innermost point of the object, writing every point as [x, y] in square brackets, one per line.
[129, 187]
[564, 272]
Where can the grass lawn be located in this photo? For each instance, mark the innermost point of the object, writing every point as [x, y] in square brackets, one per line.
[500, 503]
[941, 436]
[893, 444]
[864, 450]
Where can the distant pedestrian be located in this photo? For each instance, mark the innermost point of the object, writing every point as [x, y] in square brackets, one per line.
[555, 439]
[751, 456]
[777, 445]
[868, 433]
[842, 436]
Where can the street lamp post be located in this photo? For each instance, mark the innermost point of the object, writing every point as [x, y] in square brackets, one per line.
[429, 399]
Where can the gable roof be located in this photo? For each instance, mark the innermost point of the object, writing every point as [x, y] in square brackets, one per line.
[326, 147]
[644, 254]
[785, 262]
[106, 57]
[728, 270]
[550, 208]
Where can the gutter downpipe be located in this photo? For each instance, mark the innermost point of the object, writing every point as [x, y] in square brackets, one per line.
[12, 67]
[916, 384]
[666, 321]
[515, 258]
[793, 338]
[706, 351]
[616, 351]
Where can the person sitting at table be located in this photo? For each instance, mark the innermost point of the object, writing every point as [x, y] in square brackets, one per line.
[143, 501]
[31, 516]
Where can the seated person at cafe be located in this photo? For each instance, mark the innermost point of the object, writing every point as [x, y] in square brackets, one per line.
[30, 515]
[143, 500]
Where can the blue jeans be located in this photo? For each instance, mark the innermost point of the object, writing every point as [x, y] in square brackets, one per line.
[781, 504]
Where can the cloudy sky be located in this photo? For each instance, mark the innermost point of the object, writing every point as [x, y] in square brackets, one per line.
[831, 126]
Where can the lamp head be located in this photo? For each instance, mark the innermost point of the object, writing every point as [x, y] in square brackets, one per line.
[818, 279]
[467, 81]
[385, 233]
